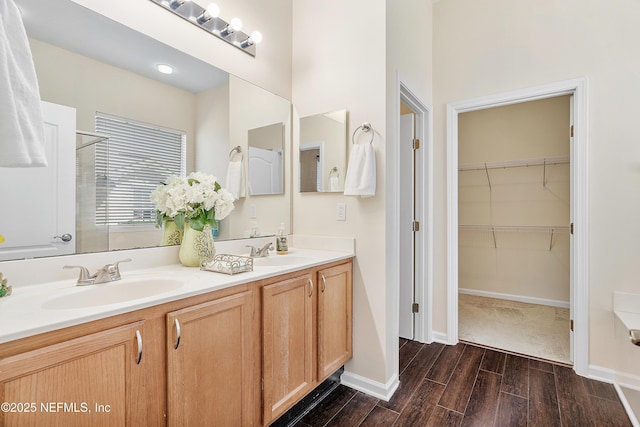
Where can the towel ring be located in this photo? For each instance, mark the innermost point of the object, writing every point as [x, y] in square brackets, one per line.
[236, 149]
[334, 170]
[366, 127]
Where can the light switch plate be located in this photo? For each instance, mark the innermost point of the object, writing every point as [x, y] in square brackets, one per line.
[252, 211]
[341, 212]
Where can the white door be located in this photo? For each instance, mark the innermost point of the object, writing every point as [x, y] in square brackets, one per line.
[407, 211]
[44, 206]
[265, 171]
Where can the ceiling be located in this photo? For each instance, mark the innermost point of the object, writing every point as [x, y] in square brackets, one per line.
[75, 28]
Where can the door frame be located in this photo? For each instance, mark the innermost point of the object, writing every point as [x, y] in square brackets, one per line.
[424, 193]
[580, 208]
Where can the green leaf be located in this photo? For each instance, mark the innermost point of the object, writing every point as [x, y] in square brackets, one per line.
[179, 220]
[159, 219]
[196, 223]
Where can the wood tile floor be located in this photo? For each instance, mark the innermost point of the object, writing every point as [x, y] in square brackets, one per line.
[466, 385]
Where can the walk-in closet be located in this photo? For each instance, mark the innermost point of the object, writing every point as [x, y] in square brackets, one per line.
[514, 194]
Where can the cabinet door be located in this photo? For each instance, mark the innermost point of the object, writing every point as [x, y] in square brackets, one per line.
[210, 375]
[335, 313]
[96, 380]
[287, 344]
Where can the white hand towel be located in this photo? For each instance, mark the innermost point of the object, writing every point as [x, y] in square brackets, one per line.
[21, 125]
[236, 181]
[361, 172]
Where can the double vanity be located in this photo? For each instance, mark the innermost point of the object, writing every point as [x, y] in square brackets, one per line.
[172, 345]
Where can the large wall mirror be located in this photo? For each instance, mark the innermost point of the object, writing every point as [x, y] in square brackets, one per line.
[88, 65]
[323, 152]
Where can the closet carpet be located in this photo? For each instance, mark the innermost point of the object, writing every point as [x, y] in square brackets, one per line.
[534, 330]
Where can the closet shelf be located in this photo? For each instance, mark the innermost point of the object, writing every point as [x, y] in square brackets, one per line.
[551, 229]
[514, 164]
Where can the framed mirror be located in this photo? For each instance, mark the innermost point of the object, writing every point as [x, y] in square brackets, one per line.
[88, 65]
[323, 152]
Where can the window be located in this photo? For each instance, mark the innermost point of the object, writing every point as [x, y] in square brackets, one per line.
[137, 157]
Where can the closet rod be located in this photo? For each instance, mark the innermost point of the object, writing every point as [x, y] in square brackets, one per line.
[517, 228]
[548, 161]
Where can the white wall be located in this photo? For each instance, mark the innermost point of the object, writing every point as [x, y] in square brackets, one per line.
[519, 263]
[483, 48]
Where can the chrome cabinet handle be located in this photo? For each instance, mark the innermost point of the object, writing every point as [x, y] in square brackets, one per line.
[311, 291]
[66, 237]
[139, 339]
[177, 325]
[324, 283]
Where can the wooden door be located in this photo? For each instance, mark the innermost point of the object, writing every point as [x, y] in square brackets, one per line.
[287, 344]
[210, 356]
[335, 317]
[96, 380]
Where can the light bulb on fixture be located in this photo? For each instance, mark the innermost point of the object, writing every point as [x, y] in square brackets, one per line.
[235, 25]
[254, 38]
[174, 4]
[212, 11]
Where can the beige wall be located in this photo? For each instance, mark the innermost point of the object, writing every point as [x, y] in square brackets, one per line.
[519, 263]
[334, 68]
[346, 65]
[483, 48]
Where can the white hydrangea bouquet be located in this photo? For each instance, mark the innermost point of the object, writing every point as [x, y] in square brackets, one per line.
[194, 203]
[197, 199]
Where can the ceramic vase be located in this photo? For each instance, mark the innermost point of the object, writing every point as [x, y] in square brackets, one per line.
[197, 246]
[172, 234]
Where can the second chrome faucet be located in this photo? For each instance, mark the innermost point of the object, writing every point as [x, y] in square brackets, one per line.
[260, 252]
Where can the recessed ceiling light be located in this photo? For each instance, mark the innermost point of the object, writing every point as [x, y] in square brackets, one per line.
[165, 69]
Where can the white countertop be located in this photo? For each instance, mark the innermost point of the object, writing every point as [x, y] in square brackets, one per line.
[39, 308]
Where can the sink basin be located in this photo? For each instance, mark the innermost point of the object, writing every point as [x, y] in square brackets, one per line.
[280, 260]
[112, 293]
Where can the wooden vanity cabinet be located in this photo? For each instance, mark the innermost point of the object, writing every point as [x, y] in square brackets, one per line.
[210, 363]
[335, 319]
[287, 344]
[239, 356]
[306, 334]
[98, 380]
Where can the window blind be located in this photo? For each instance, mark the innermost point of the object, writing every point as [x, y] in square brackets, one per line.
[135, 160]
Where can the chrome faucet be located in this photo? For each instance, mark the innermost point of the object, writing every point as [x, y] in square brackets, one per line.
[108, 273]
[262, 252]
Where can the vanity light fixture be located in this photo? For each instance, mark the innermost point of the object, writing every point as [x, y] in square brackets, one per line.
[209, 20]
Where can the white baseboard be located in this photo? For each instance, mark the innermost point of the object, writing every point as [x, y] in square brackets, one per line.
[440, 337]
[511, 297]
[627, 406]
[604, 375]
[370, 387]
[618, 379]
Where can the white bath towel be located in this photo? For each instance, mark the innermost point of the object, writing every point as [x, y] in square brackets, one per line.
[236, 179]
[361, 171]
[21, 125]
